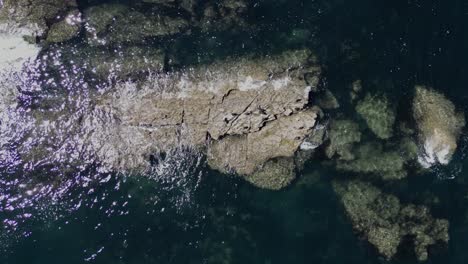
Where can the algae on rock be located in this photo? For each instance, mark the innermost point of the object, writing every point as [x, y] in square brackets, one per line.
[65, 29]
[274, 175]
[384, 221]
[371, 158]
[378, 115]
[116, 23]
[342, 135]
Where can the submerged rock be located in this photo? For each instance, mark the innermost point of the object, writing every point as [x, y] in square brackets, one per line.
[327, 100]
[246, 113]
[371, 158]
[439, 126]
[115, 23]
[342, 135]
[223, 15]
[384, 221]
[98, 20]
[378, 115]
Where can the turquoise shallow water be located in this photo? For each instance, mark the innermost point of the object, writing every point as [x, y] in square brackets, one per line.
[194, 215]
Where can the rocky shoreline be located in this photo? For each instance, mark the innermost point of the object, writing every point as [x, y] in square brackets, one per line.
[261, 117]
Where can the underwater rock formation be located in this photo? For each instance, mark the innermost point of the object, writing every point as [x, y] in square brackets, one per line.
[115, 23]
[378, 115]
[439, 126]
[342, 134]
[371, 158]
[327, 100]
[384, 221]
[247, 114]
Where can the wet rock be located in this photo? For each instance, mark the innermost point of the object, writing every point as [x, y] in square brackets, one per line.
[315, 138]
[439, 126]
[384, 221]
[378, 115]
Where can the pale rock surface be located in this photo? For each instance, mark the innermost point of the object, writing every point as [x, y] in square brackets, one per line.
[249, 115]
[439, 126]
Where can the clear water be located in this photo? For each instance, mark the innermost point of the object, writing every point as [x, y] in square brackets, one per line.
[190, 214]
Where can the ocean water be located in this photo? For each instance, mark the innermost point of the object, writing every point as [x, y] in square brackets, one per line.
[187, 213]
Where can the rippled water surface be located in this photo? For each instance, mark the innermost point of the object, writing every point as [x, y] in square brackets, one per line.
[183, 212]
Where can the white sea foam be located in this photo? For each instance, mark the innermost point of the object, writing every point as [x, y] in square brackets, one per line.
[436, 150]
[14, 50]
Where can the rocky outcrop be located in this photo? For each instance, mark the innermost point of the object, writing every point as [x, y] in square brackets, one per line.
[245, 112]
[249, 115]
[384, 221]
[439, 126]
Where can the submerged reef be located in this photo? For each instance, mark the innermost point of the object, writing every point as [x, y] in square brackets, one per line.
[385, 222]
[378, 115]
[371, 158]
[439, 126]
[342, 134]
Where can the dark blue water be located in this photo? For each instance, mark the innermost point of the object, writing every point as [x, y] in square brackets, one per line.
[206, 217]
